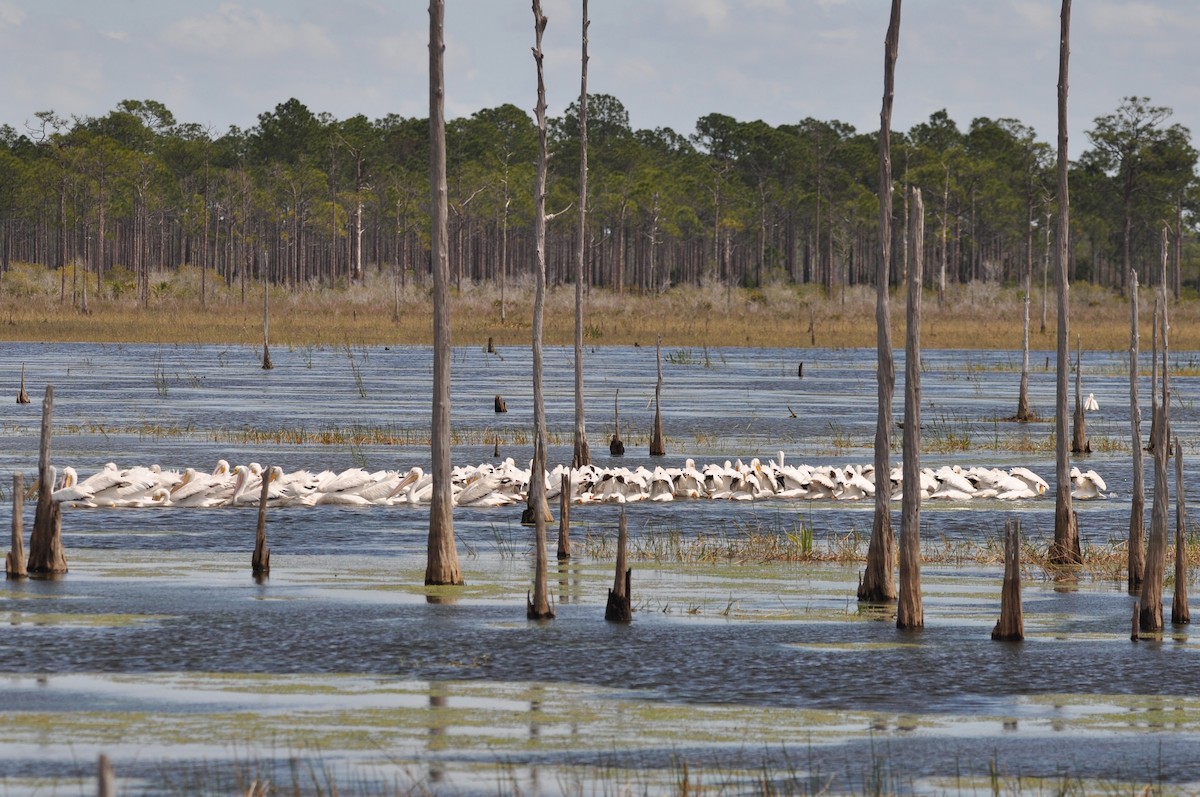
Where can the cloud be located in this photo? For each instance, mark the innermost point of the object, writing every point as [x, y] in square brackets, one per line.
[713, 12]
[234, 30]
[11, 15]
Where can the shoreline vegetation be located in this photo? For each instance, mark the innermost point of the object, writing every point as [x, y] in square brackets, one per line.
[39, 304]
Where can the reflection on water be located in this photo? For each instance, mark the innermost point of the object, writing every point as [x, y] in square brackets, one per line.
[737, 666]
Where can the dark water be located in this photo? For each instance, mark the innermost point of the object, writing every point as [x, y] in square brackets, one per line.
[343, 597]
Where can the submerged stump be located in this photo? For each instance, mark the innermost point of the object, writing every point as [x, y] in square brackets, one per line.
[1011, 625]
[500, 405]
[22, 396]
[1180, 615]
[616, 446]
[260, 562]
[620, 605]
[564, 519]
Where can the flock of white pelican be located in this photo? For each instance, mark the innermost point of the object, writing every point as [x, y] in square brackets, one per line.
[507, 483]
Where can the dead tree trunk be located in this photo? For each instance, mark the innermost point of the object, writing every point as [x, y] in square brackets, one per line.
[620, 606]
[1151, 619]
[14, 564]
[1154, 324]
[260, 562]
[1079, 440]
[266, 358]
[877, 582]
[582, 454]
[1065, 548]
[657, 446]
[538, 607]
[1137, 509]
[1023, 414]
[1179, 605]
[46, 553]
[910, 611]
[564, 518]
[442, 556]
[1011, 625]
[616, 446]
[106, 783]
[22, 396]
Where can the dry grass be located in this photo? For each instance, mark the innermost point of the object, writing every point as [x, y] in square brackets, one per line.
[748, 542]
[374, 313]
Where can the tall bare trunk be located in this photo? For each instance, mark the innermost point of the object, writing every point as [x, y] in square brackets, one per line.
[582, 455]
[1023, 413]
[910, 612]
[1137, 509]
[1180, 614]
[878, 584]
[1151, 617]
[1065, 548]
[442, 559]
[539, 605]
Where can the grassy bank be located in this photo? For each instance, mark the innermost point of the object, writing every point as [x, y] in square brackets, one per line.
[378, 312]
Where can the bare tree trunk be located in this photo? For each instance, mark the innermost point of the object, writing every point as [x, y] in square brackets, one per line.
[658, 446]
[1179, 605]
[46, 553]
[620, 605]
[1023, 413]
[266, 358]
[1011, 626]
[1150, 618]
[1137, 509]
[582, 455]
[1154, 324]
[1065, 548]
[564, 518]
[14, 565]
[538, 607]
[1079, 439]
[910, 612]
[260, 560]
[616, 446]
[877, 583]
[442, 554]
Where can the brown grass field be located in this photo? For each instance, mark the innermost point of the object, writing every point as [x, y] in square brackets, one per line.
[377, 313]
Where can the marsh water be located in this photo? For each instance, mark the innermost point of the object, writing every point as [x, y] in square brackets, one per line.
[159, 649]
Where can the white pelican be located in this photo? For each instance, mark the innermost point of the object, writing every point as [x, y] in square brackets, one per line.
[1087, 485]
[1090, 404]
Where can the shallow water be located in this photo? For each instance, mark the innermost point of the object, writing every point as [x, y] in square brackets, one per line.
[159, 647]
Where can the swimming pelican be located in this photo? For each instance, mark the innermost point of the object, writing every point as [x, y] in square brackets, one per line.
[1090, 404]
[1087, 485]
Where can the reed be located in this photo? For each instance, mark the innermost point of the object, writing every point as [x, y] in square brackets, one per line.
[974, 316]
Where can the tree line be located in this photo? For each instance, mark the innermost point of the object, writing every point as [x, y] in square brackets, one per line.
[306, 200]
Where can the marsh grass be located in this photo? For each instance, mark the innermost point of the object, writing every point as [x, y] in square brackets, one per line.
[973, 316]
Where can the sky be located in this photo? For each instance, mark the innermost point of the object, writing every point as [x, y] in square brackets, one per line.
[221, 63]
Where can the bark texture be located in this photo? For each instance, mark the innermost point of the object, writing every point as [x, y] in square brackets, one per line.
[910, 611]
[877, 583]
[582, 455]
[442, 555]
[14, 564]
[46, 553]
[1065, 548]
[1011, 625]
[538, 606]
[1137, 499]
[620, 606]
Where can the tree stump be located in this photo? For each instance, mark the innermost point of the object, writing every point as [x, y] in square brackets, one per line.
[616, 447]
[500, 405]
[1180, 615]
[106, 785]
[22, 396]
[564, 519]
[260, 562]
[620, 605]
[1080, 444]
[14, 564]
[657, 445]
[491, 347]
[46, 554]
[1011, 625]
